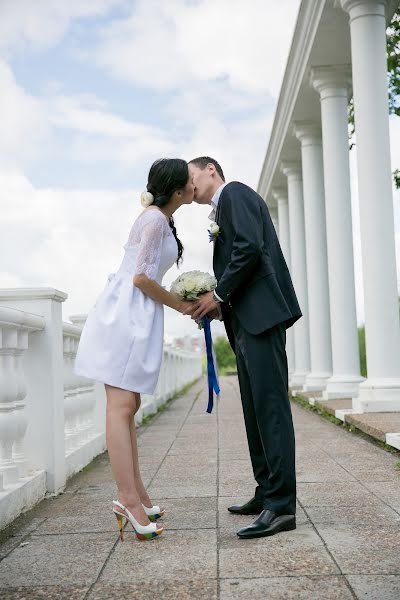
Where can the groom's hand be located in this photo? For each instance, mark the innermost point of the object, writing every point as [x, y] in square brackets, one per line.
[206, 304]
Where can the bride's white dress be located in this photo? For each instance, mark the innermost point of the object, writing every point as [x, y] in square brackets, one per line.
[122, 340]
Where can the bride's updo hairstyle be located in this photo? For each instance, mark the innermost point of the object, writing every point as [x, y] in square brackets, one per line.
[166, 176]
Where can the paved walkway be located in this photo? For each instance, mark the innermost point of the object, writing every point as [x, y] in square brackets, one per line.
[346, 545]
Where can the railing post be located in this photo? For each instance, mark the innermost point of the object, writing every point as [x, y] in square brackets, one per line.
[44, 371]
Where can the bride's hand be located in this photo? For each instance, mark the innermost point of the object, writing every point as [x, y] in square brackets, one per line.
[188, 307]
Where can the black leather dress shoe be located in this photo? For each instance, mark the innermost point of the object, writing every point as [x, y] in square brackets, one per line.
[252, 507]
[268, 523]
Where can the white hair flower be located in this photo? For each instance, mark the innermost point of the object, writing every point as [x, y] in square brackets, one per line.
[146, 198]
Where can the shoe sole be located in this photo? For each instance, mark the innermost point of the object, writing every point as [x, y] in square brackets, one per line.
[279, 529]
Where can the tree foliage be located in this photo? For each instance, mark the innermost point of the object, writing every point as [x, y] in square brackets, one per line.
[393, 62]
[225, 356]
[393, 65]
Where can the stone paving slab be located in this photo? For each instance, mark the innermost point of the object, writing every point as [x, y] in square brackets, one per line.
[293, 588]
[346, 545]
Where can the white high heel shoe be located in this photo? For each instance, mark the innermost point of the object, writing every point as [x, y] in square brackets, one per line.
[154, 512]
[143, 532]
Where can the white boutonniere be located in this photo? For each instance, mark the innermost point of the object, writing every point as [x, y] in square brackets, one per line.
[214, 231]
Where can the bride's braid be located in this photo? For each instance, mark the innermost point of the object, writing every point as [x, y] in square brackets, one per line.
[178, 241]
[166, 176]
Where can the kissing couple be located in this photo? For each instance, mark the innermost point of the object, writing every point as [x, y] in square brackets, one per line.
[121, 344]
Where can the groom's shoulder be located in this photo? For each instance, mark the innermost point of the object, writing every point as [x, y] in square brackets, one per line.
[238, 186]
[240, 189]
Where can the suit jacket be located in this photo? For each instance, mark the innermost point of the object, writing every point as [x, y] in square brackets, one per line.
[253, 278]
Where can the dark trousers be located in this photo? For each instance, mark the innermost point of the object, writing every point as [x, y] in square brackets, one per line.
[263, 380]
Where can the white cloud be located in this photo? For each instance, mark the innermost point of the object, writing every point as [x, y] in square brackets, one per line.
[83, 113]
[100, 135]
[177, 44]
[23, 123]
[43, 23]
[29, 125]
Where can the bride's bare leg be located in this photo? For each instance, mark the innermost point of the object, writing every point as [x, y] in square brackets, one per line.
[121, 405]
[144, 497]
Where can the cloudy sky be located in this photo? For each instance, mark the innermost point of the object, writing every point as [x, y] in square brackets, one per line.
[92, 91]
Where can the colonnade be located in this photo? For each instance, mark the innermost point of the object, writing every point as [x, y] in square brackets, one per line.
[314, 222]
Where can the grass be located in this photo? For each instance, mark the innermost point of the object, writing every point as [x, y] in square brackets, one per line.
[362, 350]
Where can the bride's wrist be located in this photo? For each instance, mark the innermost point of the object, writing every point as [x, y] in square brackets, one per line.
[180, 306]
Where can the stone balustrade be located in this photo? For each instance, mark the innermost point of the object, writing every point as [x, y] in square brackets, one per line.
[52, 421]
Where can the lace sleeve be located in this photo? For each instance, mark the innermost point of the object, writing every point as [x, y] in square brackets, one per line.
[150, 245]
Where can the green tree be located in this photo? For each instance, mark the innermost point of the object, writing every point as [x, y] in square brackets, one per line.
[393, 65]
[226, 359]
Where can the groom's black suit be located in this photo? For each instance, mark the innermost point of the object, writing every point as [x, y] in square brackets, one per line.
[259, 304]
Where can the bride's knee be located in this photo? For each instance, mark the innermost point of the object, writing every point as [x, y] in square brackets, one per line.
[122, 404]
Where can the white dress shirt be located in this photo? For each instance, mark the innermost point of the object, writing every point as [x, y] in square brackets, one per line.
[214, 201]
[211, 216]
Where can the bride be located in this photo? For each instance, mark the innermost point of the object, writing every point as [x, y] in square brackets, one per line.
[122, 341]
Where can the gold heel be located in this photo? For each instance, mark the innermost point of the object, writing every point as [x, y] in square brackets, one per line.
[143, 532]
[119, 520]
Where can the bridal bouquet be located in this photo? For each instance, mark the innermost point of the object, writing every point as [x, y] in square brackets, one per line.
[191, 284]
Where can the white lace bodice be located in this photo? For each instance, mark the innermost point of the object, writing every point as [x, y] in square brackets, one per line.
[151, 248]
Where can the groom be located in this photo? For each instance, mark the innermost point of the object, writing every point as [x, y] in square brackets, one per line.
[258, 303]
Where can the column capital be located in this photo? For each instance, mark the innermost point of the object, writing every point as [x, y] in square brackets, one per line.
[364, 8]
[280, 195]
[331, 81]
[292, 170]
[308, 132]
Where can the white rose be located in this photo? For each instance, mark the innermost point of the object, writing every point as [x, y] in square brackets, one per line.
[180, 289]
[214, 228]
[190, 284]
[208, 282]
[146, 198]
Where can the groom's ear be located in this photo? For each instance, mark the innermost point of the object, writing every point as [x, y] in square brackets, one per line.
[211, 168]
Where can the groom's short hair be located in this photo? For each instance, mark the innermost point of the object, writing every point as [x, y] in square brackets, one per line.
[203, 161]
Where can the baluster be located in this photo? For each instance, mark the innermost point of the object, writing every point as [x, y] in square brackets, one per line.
[21, 417]
[8, 395]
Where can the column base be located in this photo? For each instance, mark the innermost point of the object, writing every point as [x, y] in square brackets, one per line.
[342, 386]
[378, 395]
[316, 382]
[298, 379]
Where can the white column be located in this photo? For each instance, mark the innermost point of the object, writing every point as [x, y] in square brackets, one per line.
[381, 391]
[281, 198]
[332, 83]
[309, 135]
[299, 270]
[273, 211]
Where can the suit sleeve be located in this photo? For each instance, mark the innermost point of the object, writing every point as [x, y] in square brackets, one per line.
[241, 207]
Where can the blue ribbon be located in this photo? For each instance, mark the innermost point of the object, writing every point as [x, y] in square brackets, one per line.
[213, 385]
